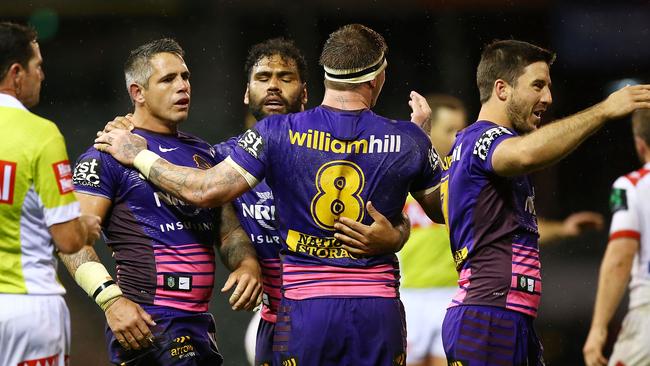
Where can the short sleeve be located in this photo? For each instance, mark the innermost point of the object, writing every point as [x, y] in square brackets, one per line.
[622, 201]
[251, 150]
[53, 182]
[95, 175]
[486, 143]
[429, 177]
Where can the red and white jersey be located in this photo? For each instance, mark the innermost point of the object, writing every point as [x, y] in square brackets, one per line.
[630, 203]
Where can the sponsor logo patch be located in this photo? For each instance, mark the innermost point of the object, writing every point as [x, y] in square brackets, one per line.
[87, 172]
[63, 174]
[177, 282]
[618, 200]
[252, 142]
[7, 181]
[482, 146]
[321, 247]
[291, 361]
[526, 284]
[182, 348]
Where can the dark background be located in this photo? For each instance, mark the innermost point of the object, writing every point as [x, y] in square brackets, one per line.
[434, 46]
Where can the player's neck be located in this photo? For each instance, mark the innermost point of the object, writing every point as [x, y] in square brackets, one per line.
[145, 121]
[347, 100]
[491, 111]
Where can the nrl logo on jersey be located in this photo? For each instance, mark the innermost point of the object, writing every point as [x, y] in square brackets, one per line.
[482, 146]
[264, 214]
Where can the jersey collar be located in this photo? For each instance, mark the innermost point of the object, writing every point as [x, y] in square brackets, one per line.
[10, 101]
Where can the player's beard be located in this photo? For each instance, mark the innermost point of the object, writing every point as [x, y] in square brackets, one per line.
[519, 115]
[290, 106]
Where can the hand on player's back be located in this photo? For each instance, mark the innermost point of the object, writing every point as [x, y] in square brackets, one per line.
[378, 238]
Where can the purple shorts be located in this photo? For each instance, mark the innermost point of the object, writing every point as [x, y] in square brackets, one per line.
[487, 335]
[264, 343]
[181, 338]
[340, 331]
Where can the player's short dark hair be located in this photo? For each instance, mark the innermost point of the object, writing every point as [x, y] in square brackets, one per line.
[439, 101]
[353, 46]
[641, 124]
[15, 45]
[285, 48]
[506, 60]
[137, 68]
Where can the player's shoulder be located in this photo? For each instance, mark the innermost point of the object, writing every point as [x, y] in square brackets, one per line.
[225, 148]
[484, 130]
[633, 179]
[410, 130]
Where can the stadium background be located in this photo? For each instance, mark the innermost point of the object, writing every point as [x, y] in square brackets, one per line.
[434, 47]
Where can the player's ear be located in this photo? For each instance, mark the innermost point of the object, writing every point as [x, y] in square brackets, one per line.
[304, 98]
[501, 89]
[246, 97]
[641, 147]
[136, 91]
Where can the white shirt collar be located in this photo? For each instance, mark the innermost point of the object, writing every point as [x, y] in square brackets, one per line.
[7, 100]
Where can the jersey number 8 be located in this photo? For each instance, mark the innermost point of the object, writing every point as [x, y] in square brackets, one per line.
[339, 184]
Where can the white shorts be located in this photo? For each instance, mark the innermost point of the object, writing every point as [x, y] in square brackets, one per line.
[34, 328]
[425, 310]
[631, 347]
[250, 339]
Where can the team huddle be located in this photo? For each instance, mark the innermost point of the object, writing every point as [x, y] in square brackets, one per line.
[305, 208]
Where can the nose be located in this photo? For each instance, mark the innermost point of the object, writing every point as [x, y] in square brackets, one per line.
[274, 84]
[547, 98]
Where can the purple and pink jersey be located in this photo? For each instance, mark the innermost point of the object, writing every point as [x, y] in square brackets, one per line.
[256, 213]
[322, 164]
[492, 224]
[163, 247]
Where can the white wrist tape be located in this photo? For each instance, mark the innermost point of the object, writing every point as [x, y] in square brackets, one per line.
[144, 160]
[98, 284]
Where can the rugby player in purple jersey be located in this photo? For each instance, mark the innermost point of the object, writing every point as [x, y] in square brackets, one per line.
[157, 312]
[322, 164]
[489, 202]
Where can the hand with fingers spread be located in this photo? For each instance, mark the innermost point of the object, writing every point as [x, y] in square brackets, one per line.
[121, 144]
[625, 100]
[119, 123]
[248, 292]
[378, 238]
[421, 112]
[130, 324]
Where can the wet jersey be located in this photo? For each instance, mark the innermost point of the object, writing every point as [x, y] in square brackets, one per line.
[629, 201]
[492, 224]
[163, 247]
[36, 192]
[322, 164]
[256, 213]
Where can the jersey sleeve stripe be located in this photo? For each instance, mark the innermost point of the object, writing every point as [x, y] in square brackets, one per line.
[630, 234]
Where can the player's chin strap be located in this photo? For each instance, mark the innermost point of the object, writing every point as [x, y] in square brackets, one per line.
[98, 284]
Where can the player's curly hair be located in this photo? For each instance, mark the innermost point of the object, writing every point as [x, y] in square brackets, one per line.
[506, 60]
[137, 68]
[15, 46]
[282, 47]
